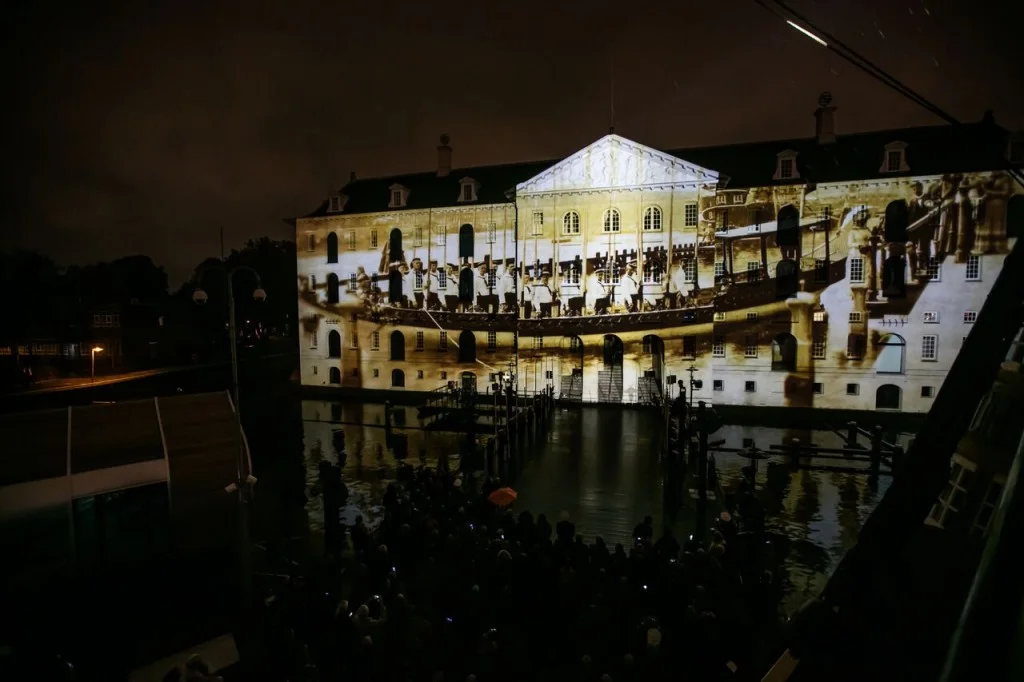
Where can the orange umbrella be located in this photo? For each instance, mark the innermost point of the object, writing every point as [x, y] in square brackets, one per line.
[503, 497]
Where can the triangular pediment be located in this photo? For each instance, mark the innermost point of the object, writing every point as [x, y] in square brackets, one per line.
[613, 162]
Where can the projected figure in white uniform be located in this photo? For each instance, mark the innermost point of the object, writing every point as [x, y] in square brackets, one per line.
[543, 296]
[629, 290]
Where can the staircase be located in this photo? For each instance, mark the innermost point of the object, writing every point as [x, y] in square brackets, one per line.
[609, 385]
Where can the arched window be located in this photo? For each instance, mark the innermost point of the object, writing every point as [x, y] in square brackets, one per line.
[332, 248]
[332, 288]
[466, 285]
[891, 354]
[395, 246]
[1015, 217]
[894, 270]
[652, 218]
[334, 344]
[397, 345]
[571, 223]
[397, 378]
[784, 353]
[787, 278]
[887, 397]
[613, 351]
[612, 221]
[466, 241]
[467, 346]
[787, 224]
[395, 286]
[335, 375]
[896, 221]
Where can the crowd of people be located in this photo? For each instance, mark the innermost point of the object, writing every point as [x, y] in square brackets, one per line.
[451, 587]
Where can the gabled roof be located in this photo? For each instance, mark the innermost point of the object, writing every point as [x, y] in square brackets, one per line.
[931, 150]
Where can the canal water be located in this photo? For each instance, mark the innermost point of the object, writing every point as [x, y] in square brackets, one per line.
[602, 465]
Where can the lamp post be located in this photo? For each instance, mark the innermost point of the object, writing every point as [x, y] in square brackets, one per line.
[245, 478]
[95, 350]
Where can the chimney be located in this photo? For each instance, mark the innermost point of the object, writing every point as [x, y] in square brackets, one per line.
[825, 125]
[444, 157]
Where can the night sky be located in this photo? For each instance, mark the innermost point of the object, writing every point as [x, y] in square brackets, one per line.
[143, 127]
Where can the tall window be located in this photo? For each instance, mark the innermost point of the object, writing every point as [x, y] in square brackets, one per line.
[397, 345]
[896, 220]
[538, 342]
[419, 340]
[332, 288]
[750, 347]
[690, 270]
[784, 352]
[537, 224]
[492, 232]
[417, 239]
[857, 270]
[788, 226]
[930, 347]
[395, 245]
[492, 340]
[890, 354]
[893, 161]
[818, 348]
[466, 246]
[374, 243]
[332, 247]
[718, 346]
[973, 272]
[375, 341]
[313, 340]
[820, 270]
[571, 223]
[785, 169]
[652, 219]
[441, 235]
[350, 240]
[690, 347]
[310, 241]
[612, 221]
[719, 269]
[690, 214]
[333, 344]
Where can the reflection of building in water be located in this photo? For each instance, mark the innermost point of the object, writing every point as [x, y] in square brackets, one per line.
[831, 271]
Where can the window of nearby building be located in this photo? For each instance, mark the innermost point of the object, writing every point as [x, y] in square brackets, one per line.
[537, 225]
[856, 317]
[818, 316]
[690, 214]
[751, 317]
[571, 223]
[931, 317]
[973, 271]
[818, 348]
[785, 168]
[310, 241]
[852, 389]
[612, 221]
[930, 347]
[442, 340]
[927, 391]
[690, 347]
[753, 270]
[492, 340]
[970, 317]
[689, 270]
[857, 270]
[652, 219]
[375, 341]
[935, 269]
[717, 385]
[719, 269]
[373, 239]
[750, 347]
[718, 346]
[818, 387]
[894, 158]
[750, 386]
[419, 340]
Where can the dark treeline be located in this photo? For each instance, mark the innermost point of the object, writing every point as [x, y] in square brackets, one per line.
[56, 315]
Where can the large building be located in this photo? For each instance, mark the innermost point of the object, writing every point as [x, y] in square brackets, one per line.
[831, 271]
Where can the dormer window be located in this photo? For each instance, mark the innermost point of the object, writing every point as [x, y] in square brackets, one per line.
[336, 204]
[894, 159]
[785, 168]
[399, 196]
[467, 189]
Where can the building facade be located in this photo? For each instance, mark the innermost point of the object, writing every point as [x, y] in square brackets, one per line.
[832, 271]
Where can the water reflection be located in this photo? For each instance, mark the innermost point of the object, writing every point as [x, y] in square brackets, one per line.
[602, 466]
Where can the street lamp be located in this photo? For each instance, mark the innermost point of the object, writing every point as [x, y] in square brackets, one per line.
[245, 478]
[95, 350]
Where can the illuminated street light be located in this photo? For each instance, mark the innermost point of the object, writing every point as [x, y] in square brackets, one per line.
[95, 350]
[807, 33]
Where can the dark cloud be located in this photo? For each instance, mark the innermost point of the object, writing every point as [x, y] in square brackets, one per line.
[147, 127]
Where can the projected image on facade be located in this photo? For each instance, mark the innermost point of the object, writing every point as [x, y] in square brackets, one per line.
[830, 272]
